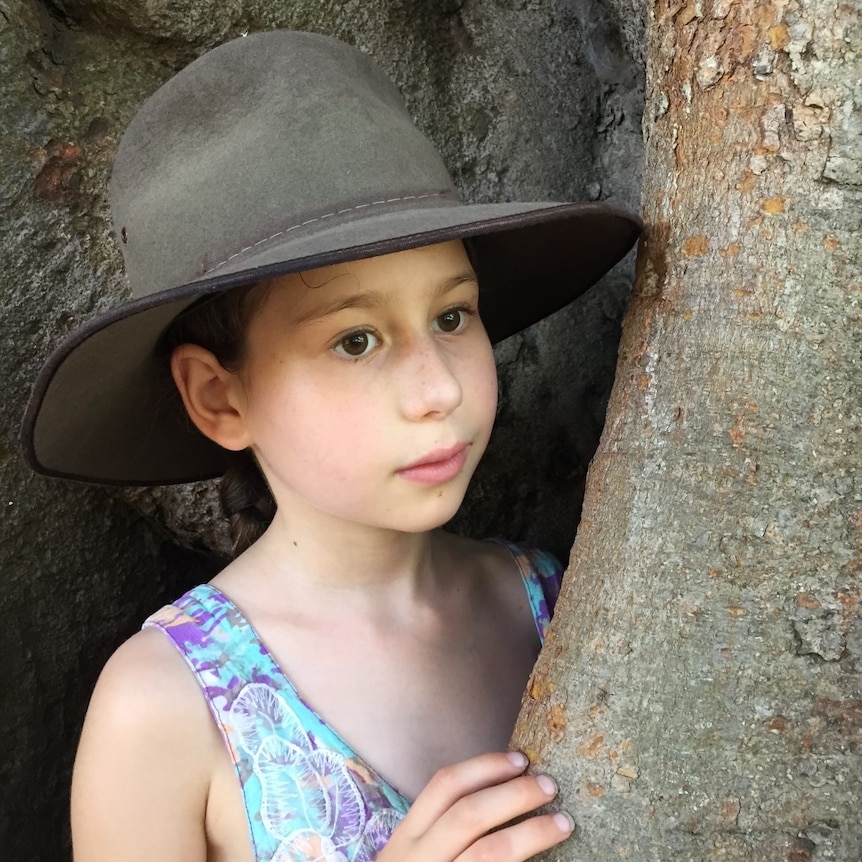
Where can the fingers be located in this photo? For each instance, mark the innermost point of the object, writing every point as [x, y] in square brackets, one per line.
[454, 782]
[521, 841]
[471, 817]
[462, 815]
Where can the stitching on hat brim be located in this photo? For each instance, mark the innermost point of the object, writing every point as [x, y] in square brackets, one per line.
[321, 218]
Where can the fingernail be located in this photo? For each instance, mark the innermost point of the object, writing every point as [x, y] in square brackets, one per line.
[518, 758]
[547, 784]
[564, 822]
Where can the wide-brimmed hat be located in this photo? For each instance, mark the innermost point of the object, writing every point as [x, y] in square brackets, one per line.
[275, 153]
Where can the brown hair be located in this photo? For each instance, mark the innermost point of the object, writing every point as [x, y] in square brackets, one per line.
[218, 323]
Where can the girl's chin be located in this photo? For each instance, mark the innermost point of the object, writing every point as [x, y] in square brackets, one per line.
[426, 521]
[440, 505]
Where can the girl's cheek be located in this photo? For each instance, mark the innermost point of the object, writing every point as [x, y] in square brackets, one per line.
[487, 389]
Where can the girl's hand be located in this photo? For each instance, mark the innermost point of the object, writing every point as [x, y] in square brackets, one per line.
[453, 817]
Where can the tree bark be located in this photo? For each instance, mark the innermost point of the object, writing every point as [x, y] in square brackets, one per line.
[700, 692]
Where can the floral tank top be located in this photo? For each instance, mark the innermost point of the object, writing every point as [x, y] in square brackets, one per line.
[308, 796]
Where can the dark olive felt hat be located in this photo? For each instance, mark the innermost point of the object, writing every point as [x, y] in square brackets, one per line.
[274, 153]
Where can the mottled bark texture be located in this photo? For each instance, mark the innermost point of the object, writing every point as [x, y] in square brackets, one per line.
[526, 99]
[700, 693]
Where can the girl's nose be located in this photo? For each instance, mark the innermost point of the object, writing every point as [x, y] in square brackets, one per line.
[428, 386]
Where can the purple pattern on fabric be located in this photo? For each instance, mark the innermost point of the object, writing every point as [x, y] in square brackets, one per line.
[307, 794]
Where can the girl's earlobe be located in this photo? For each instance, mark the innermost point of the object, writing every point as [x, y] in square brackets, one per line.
[212, 396]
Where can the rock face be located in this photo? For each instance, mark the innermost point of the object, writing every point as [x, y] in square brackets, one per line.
[525, 100]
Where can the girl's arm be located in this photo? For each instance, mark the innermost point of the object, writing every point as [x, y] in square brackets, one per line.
[459, 814]
[140, 785]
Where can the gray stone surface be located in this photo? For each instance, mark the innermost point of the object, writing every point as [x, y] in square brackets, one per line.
[525, 99]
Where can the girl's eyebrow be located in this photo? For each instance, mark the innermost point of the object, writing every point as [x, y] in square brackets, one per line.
[375, 299]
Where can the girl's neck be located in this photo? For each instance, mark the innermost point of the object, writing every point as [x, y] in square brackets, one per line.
[344, 562]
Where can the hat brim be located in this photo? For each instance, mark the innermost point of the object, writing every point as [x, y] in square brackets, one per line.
[103, 408]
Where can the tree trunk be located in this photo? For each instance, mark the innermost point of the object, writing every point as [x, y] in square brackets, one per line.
[700, 692]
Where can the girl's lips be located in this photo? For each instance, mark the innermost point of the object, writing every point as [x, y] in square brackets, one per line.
[438, 466]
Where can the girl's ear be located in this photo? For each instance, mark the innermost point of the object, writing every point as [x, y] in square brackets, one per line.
[212, 395]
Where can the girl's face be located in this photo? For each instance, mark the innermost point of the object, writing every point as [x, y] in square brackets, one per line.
[368, 389]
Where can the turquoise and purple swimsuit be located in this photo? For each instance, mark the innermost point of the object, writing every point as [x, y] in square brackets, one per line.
[307, 794]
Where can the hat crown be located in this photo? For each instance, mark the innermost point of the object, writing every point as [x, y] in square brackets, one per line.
[262, 136]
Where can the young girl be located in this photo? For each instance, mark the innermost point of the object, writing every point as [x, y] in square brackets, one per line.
[345, 689]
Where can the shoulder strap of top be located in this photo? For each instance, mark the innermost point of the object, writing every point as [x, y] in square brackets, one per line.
[214, 646]
[542, 574]
[298, 778]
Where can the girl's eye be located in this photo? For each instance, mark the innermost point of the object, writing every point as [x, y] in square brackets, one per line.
[356, 344]
[451, 320]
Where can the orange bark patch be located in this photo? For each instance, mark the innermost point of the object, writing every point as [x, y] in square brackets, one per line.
[731, 251]
[831, 242]
[779, 37]
[556, 721]
[593, 747]
[737, 432]
[695, 246]
[736, 611]
[754, 222]
[774, 206]
[593, 789]
[746, 181]
[539, 687]
[800, 226]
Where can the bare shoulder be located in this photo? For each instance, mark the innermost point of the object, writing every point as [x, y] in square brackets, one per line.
[144, 761]
[482, 557]
[493, 567]
[148, 670]
[146, 689]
